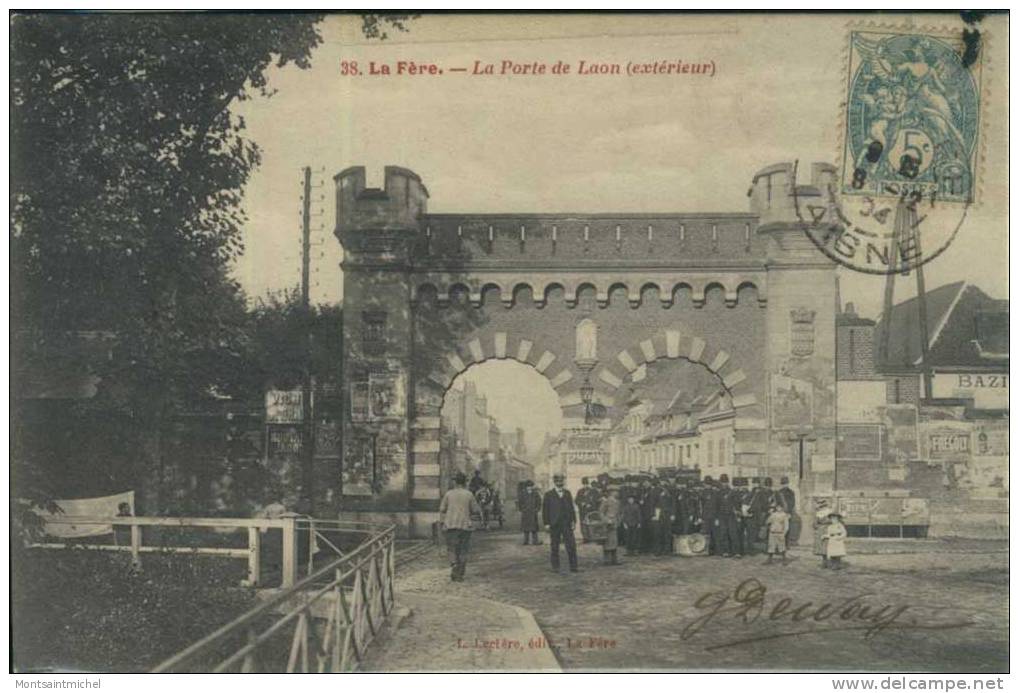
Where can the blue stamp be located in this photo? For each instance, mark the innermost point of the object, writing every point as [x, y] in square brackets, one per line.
[912, 118]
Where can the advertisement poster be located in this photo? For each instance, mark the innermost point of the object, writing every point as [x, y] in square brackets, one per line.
[792, 402]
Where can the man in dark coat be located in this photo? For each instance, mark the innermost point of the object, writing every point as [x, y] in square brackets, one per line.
[559, 516]
[760, 501]
[708, 498]
[588, 501]
[648, 495]
[529, 504]
[476, 482]
[687, 510]
[741, 499]
[725, 519]
[665, 515]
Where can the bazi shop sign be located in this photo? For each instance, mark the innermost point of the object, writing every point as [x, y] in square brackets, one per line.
[987, 390]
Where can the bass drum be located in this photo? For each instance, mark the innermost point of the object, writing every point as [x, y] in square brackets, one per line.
[691, 545]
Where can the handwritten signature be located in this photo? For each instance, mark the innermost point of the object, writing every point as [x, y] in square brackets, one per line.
[747, 603]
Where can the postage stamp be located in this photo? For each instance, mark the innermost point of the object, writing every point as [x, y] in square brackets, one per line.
[912, 117]
[909, 151]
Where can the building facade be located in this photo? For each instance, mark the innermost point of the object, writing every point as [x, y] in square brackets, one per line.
[746, 296]
[910, 465]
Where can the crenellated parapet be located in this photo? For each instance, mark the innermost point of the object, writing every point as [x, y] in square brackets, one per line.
[675, 240]
[398, 205]
[771, 232]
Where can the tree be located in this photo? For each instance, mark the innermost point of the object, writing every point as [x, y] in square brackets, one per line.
[275, 354]
[128, 170]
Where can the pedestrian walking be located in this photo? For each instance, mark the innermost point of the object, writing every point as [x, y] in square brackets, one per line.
[631, 517]
[456, 515]
[559, 517]
[529, 505]
[836, 547]
[778, 527]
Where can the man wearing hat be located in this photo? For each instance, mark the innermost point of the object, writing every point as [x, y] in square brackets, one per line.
[588, 500]
[760, 502]
[529, 505]
[741, 498]
[559, 516]
[725, 520]
[708, 498]
[665, 515]
[456, 511]
[648, 492]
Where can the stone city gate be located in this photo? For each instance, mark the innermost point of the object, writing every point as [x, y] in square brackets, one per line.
[746, 295]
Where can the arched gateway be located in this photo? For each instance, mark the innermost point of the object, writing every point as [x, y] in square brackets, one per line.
[746, 295]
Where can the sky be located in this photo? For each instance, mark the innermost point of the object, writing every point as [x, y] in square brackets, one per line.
[584, 143]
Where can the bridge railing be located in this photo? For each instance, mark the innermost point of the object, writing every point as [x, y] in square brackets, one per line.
[324, 623]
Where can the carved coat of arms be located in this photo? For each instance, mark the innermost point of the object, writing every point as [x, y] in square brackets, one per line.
[801, 332]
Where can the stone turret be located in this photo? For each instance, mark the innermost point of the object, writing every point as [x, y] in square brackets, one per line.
[397, 206]
[783, 207]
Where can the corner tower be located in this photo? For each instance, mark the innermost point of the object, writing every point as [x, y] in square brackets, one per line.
[802, 304]
[377, 228]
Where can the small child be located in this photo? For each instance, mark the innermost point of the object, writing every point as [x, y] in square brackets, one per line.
[835, 547]
[778, 527]
[631, 525]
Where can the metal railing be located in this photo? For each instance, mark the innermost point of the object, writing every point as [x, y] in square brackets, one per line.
[324, 623]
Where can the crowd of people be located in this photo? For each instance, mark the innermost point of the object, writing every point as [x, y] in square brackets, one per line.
[648, 513]
[664, 515]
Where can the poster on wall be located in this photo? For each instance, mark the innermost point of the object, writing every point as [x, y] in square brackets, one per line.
[990, 439]
[792, 402]
[284, 406]
[327, 439]
[284, 440]
[386, 396]
[358, 466]
[859, 442]
[359, 399]
[946, 441]
[901, 435]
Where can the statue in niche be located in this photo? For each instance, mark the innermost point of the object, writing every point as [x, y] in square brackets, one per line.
[587, 341]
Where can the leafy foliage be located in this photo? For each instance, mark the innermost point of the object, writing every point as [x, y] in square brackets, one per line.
[92, 611]
[128, 169]
[276, 349]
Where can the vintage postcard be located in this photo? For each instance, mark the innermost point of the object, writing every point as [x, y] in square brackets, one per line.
[373, 342]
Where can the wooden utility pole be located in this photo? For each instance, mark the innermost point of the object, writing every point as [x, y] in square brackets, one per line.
[906, 235]
[307, 390]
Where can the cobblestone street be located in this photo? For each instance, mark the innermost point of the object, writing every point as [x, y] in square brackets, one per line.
[940, 607]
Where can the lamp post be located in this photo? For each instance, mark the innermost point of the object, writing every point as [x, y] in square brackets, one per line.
[587, 396]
